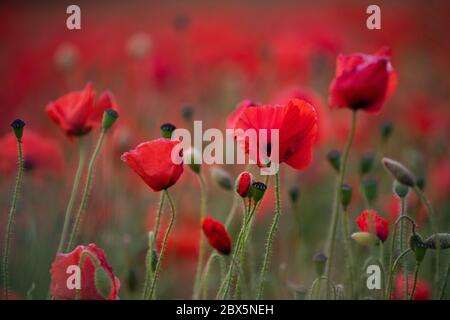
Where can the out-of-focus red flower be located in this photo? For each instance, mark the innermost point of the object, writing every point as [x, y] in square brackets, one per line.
[363, 81]
[88, 291]
[217, 235]
[77, 112]
[41, 155]
[423, 289]
[297, 125]
[152, 161]
[370, 221]
[237, 112]
[244, 184]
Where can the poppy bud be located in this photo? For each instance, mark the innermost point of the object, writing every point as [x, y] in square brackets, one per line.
[217, 235]
[18, 126]
[244, 184]
[334, 157]
[193, 159]
[222, 178]
[418, 246]
[366, 163]
[187, 112]
[386, 129]
[365, 238]
[320, 261]
[102, 282]
[399, 172]
[109, 117]
[167, 129]
[370, 188]
[257, 191]
[294, 193]
[443, 239]
[346, 195]
[400, 189]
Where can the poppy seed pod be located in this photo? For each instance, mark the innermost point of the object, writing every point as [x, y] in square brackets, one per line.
[167, 129]
[258, 190]
[320, 261]
[18, 126]
[400, 189]
[244, 184]
[334, 157]
[370, 189]
[366, 162]
[418, 246]
[365, 238]
[441, 239]
[346, 195]
[222, 178]
[193, 159]
[399, 172]
[386, 129]
[109, 117]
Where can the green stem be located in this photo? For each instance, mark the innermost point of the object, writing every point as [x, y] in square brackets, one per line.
[205, 279]
[149, 267]
[416, 273]
[9, 226]
[316, 282]
[348, 250]
[201, 253]
[402, 244]
[431, 216]
[391, 272]
[269, 242]
[85, 197]
[233, 208]
[337, 197]
[444, 284]
[73, 195]
[161, 255]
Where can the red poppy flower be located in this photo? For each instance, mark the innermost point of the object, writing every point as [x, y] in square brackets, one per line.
[297, 125]
[152, 161]
[234, 116]
[363, 81]
[77, 112]
[41, 155]
[370, 221]
[217, 235]
[244, 184]
[422, 292]
[88, 290]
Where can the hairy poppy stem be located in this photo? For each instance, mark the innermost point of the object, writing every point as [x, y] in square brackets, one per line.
[73, 194]
[85, 196]
[391, 272]
[416, 273]
[270, 237]
[349, 254]
[12, 211]
[201, 253]
[431, 216]
[402, 245]
[161, 255]
[152, 245]
[337, 197]
[206, 272]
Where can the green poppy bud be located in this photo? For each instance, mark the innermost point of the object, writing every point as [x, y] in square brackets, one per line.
[400, 189]
[418, 246]
[334, 157]
[18, 126]
[109, 117]
[346, 195]
[366, 163]
[370, 189]
[167, 129]
[320, 261]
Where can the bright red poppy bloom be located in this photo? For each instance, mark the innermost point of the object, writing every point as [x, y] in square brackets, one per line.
[77, 112]
[217, 235]
[422, 292]
[41, 155]
[363, 81]
[88, 290]
[244, 184]
[370, 221]
[234, 116]
[297, 125]
[152, 161]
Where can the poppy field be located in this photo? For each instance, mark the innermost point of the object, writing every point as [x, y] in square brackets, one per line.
[225, 150]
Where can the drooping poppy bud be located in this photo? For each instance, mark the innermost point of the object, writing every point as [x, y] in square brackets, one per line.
[399, 172]
[418, 246]
[320, 261]
[258, 190]
[167, 129]
[386, 129]
[244, 184]
[222, 178]
[366, 163]
[346, 195]
[18, 126]
[334, 157]
[294, 194]
[193, 159]
[365, 238]
[217, 235]
[370, 221]
[400, 189]
[370, 189]
[109, 117]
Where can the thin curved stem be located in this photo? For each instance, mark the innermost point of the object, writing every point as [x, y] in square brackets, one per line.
[232, 211]
[73, 194]
[10, 223]
[205, 277]
[402, 244]
[337, 197]
[201, 253]
[416, 273]
[349, 254]
[161, 255]
[330, 283]
[391, 272]
[270, 237]
[87, 188]
[151, 247]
